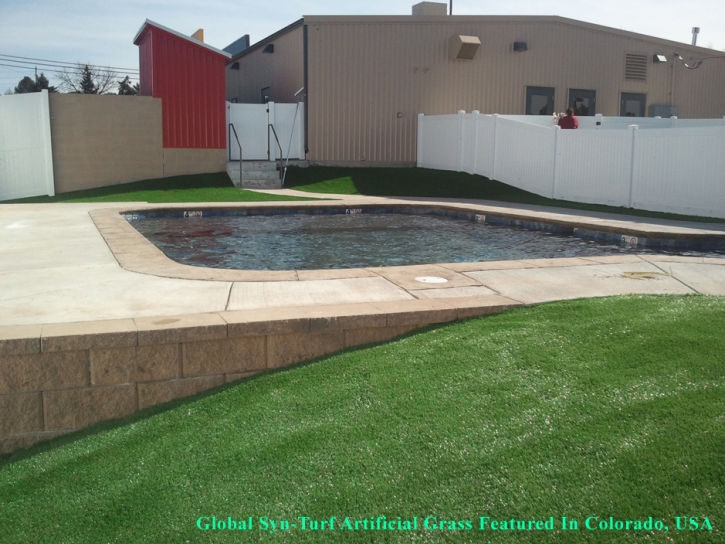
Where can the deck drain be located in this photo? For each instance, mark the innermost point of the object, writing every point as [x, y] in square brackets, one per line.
[431, 279]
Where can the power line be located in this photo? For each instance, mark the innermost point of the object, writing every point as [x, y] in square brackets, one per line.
[69, 64]
[22, 69]
[49, 67]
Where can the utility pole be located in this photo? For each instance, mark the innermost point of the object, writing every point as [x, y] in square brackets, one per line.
[36, 74]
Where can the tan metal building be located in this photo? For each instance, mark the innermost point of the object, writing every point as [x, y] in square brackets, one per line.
[367, 77]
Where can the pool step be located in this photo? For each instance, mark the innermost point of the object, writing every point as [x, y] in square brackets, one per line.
[257, 175]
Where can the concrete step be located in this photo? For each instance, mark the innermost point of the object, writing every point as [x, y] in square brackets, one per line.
[257, 175]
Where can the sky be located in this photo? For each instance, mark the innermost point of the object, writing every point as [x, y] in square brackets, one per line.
[101, 32]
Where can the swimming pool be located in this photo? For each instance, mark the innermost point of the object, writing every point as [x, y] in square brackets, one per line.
[338, 237]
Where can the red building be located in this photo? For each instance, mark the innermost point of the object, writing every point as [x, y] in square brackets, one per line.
[189, 77]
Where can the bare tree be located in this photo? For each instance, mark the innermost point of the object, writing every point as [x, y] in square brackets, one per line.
[88, 79]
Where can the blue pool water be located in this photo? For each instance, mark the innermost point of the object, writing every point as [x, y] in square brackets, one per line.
[302, 241]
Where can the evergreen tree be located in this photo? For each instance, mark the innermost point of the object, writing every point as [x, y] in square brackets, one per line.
[125, 87]
[27, 85]
[87, 85]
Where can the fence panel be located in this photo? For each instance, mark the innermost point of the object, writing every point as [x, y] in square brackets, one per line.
[284, 118]
[439, 144]
[469, 143]
[594, 166]
[680, 171]
[26, 157]
[486, 142]
[525, 156]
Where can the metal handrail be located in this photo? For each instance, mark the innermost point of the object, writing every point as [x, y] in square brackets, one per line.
[281, 153]
[231, 126]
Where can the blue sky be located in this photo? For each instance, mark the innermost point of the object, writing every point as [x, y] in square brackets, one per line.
[101, 32]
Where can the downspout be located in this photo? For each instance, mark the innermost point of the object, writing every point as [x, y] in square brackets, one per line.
[307, 87]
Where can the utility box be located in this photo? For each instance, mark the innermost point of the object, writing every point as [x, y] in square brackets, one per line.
[658, 110]
[430, 8]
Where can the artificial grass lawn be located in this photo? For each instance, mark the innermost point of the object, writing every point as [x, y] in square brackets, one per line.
[423, 182]
[599, 407]
[193, 188]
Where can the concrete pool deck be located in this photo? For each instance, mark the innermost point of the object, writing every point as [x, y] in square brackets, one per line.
[56, 267]
[96, 323]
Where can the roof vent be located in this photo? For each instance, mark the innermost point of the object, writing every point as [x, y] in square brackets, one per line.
[430, 8]
[635, 67]
[464, 47]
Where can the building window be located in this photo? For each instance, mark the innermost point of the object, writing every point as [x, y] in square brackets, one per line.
[582, 101]
[539, 100]
[632, 105]
[265, 95]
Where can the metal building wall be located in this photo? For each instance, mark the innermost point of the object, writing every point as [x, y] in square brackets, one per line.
[368, 77]
[281, 71]
[190, 80]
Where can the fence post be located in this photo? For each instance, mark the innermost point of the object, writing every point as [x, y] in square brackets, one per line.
[419, 151]
[461, 117]
[673, 121]
[494, 172]
[557, 131]
[633, 130]
[475, 141]
[48, 154]
[598, 121]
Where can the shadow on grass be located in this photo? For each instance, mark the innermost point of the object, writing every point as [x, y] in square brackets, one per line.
[215, 187]
[423, 182]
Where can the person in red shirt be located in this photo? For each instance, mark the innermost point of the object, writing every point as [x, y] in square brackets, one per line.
[569, 121]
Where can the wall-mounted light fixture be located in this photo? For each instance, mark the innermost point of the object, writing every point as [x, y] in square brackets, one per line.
[521, 46]
[234, 66]
[659, 58]
[269, 48]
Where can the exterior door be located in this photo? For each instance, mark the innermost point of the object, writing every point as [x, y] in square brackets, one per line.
[583, 102]
[632, 105]
[539, 100]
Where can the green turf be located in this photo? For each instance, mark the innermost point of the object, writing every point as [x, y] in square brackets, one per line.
[599, 407]
[193, 188]
[424, 182]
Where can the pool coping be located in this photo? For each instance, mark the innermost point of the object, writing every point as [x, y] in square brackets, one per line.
[137, 254]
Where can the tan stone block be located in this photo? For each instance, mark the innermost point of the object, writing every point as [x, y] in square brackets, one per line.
[16, 340]
[376, 335]
[418, 312]
[478, 306]
[9, 444]
[135, 364]
[714, 260]
[236, 376]
[151, 394]
[41, 371]
[77, 408]
[180, 328]
[21, 413]
[88, 334]
[266, 321]
[287, 349]
[222, 356]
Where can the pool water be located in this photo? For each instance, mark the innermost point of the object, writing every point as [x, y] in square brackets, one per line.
[309, 242]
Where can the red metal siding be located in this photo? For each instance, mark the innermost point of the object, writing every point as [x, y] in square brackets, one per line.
[190, 80]
[146, 65]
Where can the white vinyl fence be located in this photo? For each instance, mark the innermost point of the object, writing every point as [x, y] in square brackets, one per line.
[669, 165]
[251, 122]
[26, 158]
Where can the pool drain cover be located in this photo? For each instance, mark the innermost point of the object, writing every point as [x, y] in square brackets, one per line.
[431, 279]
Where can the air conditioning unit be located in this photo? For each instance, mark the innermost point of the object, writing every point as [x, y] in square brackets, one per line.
[464, 47]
